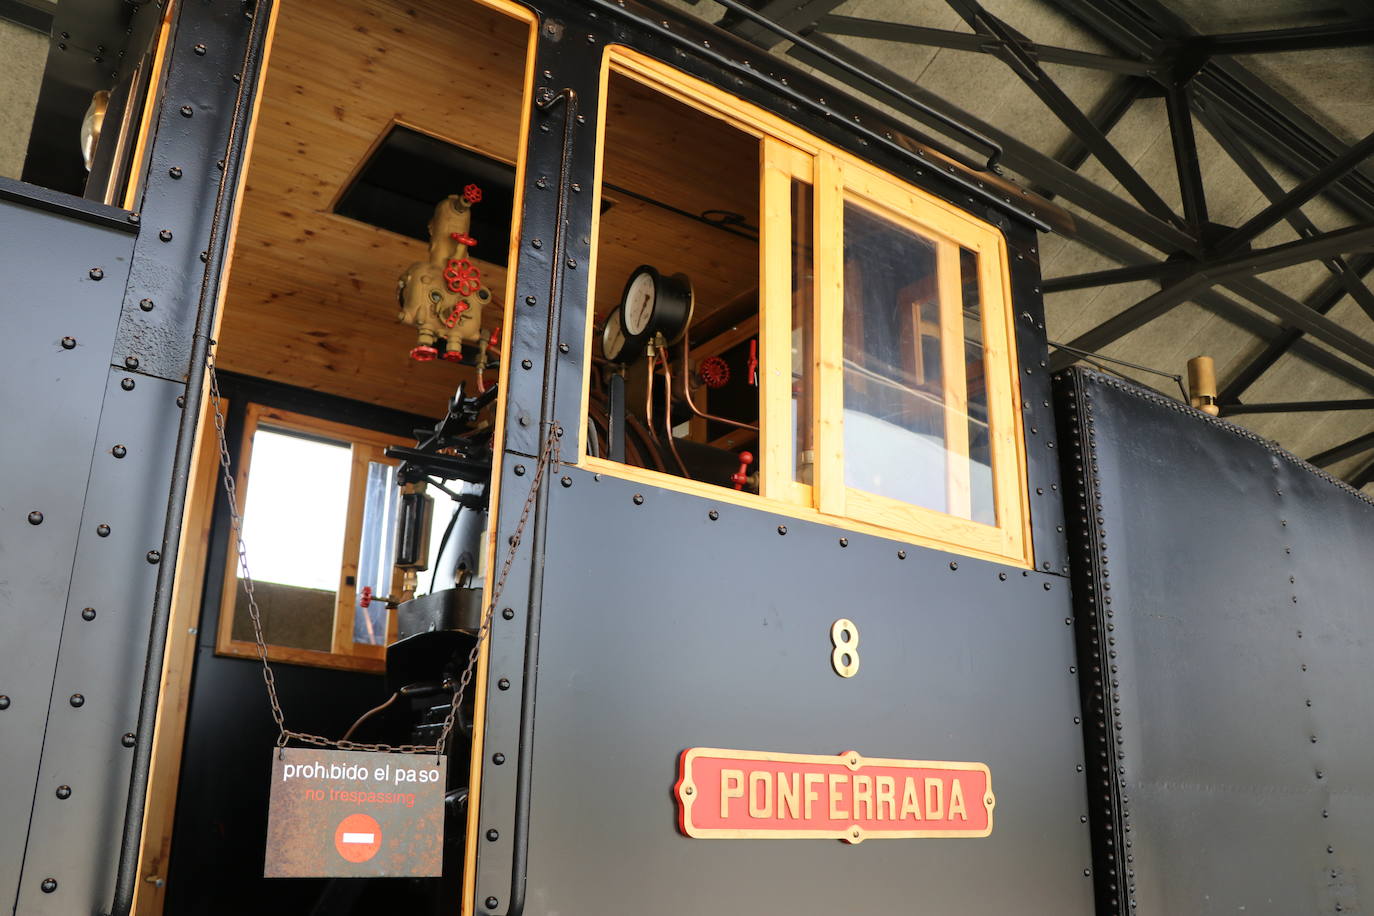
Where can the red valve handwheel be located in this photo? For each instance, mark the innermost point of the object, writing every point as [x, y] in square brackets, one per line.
[424, 354]
[454, 315]
[472, 194]
[463, 238]
[463, 276]
[714, 372]
[741, 477]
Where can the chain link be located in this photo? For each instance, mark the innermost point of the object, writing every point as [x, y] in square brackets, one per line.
[549, 455]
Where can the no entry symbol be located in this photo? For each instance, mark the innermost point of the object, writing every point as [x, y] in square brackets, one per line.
[358, 837]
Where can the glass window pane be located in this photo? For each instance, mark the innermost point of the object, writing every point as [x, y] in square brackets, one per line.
[979, 441]
[376, 552]
[293, 529]
[908, 427]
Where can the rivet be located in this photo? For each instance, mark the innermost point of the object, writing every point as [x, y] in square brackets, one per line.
[119, 451]
[97, 274]
[566, 481]
[35, 517]
[145, 304]
[200, 50]
[563, 347]
[519, 470]
[639, 499]
[493, 835]
[508, 613]
[492, 903]
[953, 564]
[181, 400]
[88, 613]
[175, 171]
[526, 364]
[536, 243]
[77, 700]
[187, 111]
[498, 758]
[524, 419]
[131, 362]
[49, 885]
[529, 300]
[1048, 586]
[153, 556]
[713, 515]
[572, 263]
[102, 530]
[503, 684]
[1002, 576]
[541, 183]
[64, 792]
[1321, 775]
[4, 701]
[782, 529]
[68, 343]
[133, 219]
[128, 740]
[901, 554]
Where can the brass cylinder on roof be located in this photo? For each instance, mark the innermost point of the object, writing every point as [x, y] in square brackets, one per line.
[1202, 385]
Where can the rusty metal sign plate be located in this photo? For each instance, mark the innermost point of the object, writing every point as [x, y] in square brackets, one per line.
[355, 814]
[727, 794]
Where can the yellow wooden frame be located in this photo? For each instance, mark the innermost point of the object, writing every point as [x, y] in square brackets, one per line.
[365, 446]
[787, 153]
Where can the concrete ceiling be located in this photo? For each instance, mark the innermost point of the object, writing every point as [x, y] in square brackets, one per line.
[1331, 85]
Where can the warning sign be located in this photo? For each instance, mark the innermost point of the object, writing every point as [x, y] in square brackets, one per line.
[353, 814]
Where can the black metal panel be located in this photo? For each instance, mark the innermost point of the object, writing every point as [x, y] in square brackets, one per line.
[93, 706]
[192, 130]
[1221, 586]
[50, 300]
[679, 630]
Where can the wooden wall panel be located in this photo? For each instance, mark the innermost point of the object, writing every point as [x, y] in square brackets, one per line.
[311, 296]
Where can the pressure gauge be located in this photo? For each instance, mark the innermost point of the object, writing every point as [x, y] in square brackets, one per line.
[655, 304]
[613, 337]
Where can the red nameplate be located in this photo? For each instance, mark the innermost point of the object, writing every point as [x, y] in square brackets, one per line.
[725, 794]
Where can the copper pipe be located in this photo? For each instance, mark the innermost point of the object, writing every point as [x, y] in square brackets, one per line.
[687, 394]
[668, 412]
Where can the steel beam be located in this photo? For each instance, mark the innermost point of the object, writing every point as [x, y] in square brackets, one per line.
[1344, 450]
[1249, 163]
[1160, 270]
[1363, 477]
[1321, 302]
[1306, 38]
[1186, 163]
[793, 15]
[1007, 46]
[854, 27]
[1231, 410]
[1299, 195]
[1108, 111]
[1036, 167]
[1225, 271]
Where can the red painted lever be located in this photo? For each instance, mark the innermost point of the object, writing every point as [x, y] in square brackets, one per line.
[366, 599]
[754, 362]
[741, 477]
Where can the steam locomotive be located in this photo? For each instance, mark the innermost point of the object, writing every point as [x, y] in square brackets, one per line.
[717, 433]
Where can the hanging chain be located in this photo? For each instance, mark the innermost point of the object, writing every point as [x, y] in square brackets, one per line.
[549, 455]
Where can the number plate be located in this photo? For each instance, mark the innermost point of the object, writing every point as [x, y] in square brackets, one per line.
[726, 794]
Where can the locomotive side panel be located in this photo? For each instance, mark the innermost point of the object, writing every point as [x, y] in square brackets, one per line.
[642, 655]
[1217, 587]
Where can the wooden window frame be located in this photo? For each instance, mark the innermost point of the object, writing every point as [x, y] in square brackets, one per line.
[365, 447]
[788, 153]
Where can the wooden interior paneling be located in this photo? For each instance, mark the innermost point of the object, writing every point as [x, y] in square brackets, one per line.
[311, 296]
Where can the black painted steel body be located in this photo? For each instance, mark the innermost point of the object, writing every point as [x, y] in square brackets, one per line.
[88, 596]
[1222, 590]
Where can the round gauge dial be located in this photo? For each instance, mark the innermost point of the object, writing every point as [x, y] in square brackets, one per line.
[638, 304]
[613, 337]
[653, 304]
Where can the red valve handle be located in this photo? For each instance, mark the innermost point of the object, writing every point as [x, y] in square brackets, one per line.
[472, 194]
[754, 362]
[741, 477]
[463, 238]
[463, 276]
[366, 600]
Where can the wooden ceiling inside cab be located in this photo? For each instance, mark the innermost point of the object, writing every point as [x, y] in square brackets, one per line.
[311, 297]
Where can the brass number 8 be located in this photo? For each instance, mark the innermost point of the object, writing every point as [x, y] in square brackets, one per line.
[844, 635]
